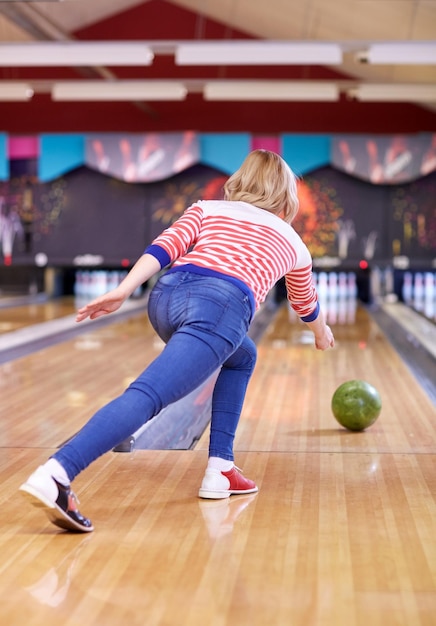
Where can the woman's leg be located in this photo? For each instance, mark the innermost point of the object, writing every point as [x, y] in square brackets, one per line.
[184, 364]
[228, 398]
[222, 479]
[204, 321]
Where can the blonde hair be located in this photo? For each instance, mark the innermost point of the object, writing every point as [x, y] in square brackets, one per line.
[265, 180]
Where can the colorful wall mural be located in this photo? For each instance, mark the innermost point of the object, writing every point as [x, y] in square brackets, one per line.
[104, 208]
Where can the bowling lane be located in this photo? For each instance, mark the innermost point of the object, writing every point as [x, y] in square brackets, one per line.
[288, 406]
[24, 311]
[33, 312]
[37, 325]
[326, 541]
[48, 394]
[339, 533]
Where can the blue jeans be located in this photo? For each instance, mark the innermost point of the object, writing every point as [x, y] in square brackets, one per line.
[203, 321]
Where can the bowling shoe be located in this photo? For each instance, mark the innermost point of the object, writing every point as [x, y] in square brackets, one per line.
[58, 501]
[217, 485]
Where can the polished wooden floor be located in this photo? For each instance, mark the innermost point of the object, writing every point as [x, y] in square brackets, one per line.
[15, 317]
[341, 533]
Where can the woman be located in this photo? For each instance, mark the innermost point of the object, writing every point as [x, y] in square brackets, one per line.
[224, 257]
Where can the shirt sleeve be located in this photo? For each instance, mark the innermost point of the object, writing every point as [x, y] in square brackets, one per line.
[302, 294]
[176, 240]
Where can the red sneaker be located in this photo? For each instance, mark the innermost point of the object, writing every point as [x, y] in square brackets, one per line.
[217, 485]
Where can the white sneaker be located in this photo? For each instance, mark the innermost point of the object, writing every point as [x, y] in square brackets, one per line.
[217, 484]
[58, 501]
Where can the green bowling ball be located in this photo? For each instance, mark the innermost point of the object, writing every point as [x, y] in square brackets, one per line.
[356, 404]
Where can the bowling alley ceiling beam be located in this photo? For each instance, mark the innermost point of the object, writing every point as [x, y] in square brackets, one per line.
[27, 17]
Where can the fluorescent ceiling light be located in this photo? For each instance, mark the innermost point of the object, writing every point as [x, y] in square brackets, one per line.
[258, 53]
[11, 91]
[271, 91]
[401, 53]
[222, 52]
[394, 93]
[82, 90]
[72, 53]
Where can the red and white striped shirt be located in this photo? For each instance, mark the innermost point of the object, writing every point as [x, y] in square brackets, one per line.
[244, 242]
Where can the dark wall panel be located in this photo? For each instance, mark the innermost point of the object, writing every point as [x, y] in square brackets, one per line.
[88, 213]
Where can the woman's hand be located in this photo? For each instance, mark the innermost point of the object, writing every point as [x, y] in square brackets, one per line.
[325, 340]
[144, 268]
[103, 305]
[323, 333]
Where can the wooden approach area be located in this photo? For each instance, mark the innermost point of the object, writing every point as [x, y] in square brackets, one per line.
[341, 533]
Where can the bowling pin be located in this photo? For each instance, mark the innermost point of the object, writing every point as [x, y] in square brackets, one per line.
[342, 285]
[342, 310]
[333, 284]
[332, 311]
[418, 292]
[342, 297]
[389, 281]
[77, 283]
[86, 277]
[352, 285]
[375, 279]
[351, 310]
[429, 295]
[113, 280]
[407, 290]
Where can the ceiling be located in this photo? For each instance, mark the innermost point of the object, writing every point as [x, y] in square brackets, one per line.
[352, 23]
